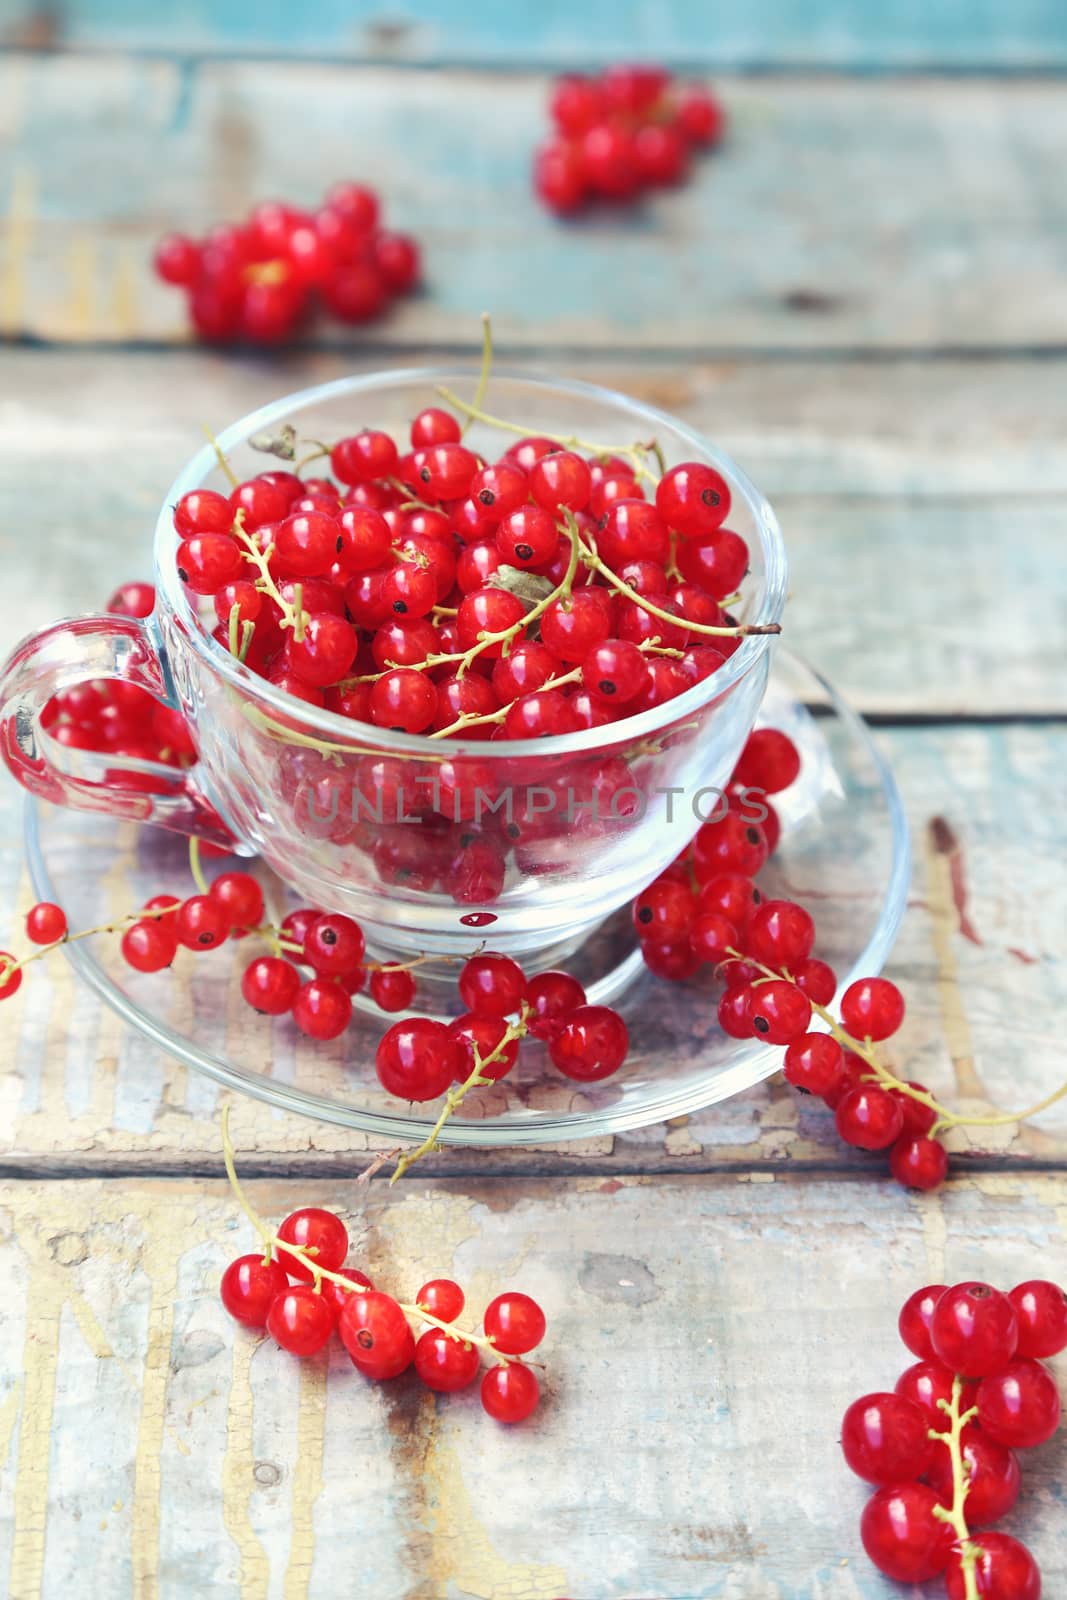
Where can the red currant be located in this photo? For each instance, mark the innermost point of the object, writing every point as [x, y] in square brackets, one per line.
[693, 499]
[200, 923]
[664, 912]
[886, 1439]
[918, 1162]
[974, 1330]
[322, 1009]
[1019, 1406]
[615, 671]
[240, 898]
[270, 985]
[1005, 1570]
[814, 1063]
[903, 1535]
[334, 944]
[46, 923]
[872, 1008]
[416, 1059]
[993, 1476]
[321, 1234]
[927, 1383]
[148, 946]
[1041, 1312]
[300, 1321]
[780, 934]
[510, 1392]
[444, 1362]
[375, 1332]
[591, 1044]
[515, 1323]
[778, 1011]
[492, 985]
[869, 1118]
[915, 1318]
[471, 1033]
[552, 997]
[336, 1297]
[249, 1287]
[442, 1298]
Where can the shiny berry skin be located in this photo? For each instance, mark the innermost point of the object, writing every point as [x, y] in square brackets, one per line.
[1041, 1312]
[1019, 1406]
[546, 714]
[527, 537]
[470, 1032]
[249, 1287]
[510, 1392]
[262, 499]
[615, 671]
[769, 762]
[576, 103]
[591, 1044]
[919, 1163]
[918, 1117]
[46, 923]
[869, 1118]
[206, 561]
[305, 545]
[633, 530]
[693, 499]
[375, 1333]
[779, 934]
[561, 481]
[325, 652]
[700, 116]
[240, 897]
[133, 600]
[203, 511]
[732, 896]
[295, 925]
[300, 1321]
[392, 990]
[915, 1317]
[363, 457]
[609, 160]
[814, 1063]
[664, 912]
[872, 1008]
[729, 845]
[434, 426]
[673, 961]
[200, 923]
[148, 946]
[662, 153]
[716, 563]
[322, 1009]
[559, 176]
[416, 1059]
[334, 944]
[733, 1012]
[442, 1298]
[404, 700]
[572, 627]
[408, 590]
[362, 540]
[487, 611]
[270, 985]
[397, 259]
[356, 202]
[492, 985]
[994, 1477]
[177, 260]
[552, 997]
[886, 1439]
[444, 471]
[779, 1013]
[321, 1233]
[926, 1384]
[514, 1322]
[902, 1535]
[1005, 1570]
[446, 1363]
[524, 670]
[499, 490]
[974, 1329]
[711, 937]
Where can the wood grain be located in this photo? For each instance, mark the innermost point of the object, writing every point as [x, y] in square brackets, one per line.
[904, 33]
[228, 1468]
[824, 224]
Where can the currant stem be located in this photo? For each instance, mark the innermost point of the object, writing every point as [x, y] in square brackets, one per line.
[739, 630]
[474, 413]
[224, 465]
[7, 967]
[956, 1514]
[260, 559]
[195, 867]
[483, 376]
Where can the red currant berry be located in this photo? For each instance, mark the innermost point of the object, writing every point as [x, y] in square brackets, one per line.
[544, 715]
[712, 937]
[300, 1321]
[524, 670]
[1020, 1405]
[249, 1287]
[675, 962]
[974, 1330]
[551, 997]
[515, 1323]
[203, 511]
[919, 1118]
[444, 1362]
[1041, 1312]
[917, 1162]
[814, 1063]
[497, 491]
[1004, 1570]
[133, 600]
[872, 1008]
[915, 1317]
[993, 1476]
[779, 934]
[510, 1392]
[434, 426]
[392, 989]
[574, 626]
[442, 1298]
[492, 985]
[471, 1033]
[769, 762]
[662, 153]
[615, 672]
[693, 499]
[362, 539]
[729, 845]
[700, 116]
[296, 924]
[633, 530]
[559, 176]
[325, 652]
[321, 1234]
[778, 1011]
[262, 500]
[200, 923]
[177, 260]
[886, 1439]
[416, 1059]
[927, 1383]
[561, 481]
[206, 561]
[869, 1118]
[591, 1044]
[269, 985]
[240, 898]
[397, 259]
[363, 457]
[485, 612]
[375, 1333]
[664, 912]
[903, 1534]
[334, 944]
[306, 545]
[733, 896]
[148, 946]
[733, 1013]
[322, 1009]
[336, 1297]
[576, 103]
[46, 923]
[527, 537]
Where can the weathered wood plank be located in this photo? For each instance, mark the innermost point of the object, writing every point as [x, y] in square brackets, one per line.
[842, 214]
[950, 477]
[837, 33]
[225, 1469]
[979, 956]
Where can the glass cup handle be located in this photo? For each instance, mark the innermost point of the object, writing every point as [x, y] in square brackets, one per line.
[70, 653]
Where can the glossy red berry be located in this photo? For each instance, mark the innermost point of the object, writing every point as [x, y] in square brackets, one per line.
[200, 923]
[444, 1362]
[132, 600]
[270, 985]
[416, 1059]
[477, 1039]
[485, 612]
[334, 944]
[1041, 1312]
[46, 923]
[902, 1534]
[915, 1317]
[392, 989]
[886, 1439]
[591, 1044]
[872, 1008]
[515, 1323]
[1019, 1406]
[814, 1063]
[442, 1298]
[1004, 1570]
[320, 1233]
[322, 1009]
[733, 1011]
[240, 898]
[561, 481]
[664, 912]
[363, 456]
[769, 762]
[551, 997]
[927, 1384]
[333, 1294]
[510, 1392]
[615, 672]
[325, 652]
[300, 1321]
[203, 511]
[974, 1330]
[779, 934]
[712, 937]
[177, 260]
[869, 1118]
[729, 845]
[779, 1013]
[492, 985]
[148, 945]
[249, 1287]
[205, 561]
[375, 1333]
[693, 499]
[993, 1476]
[434, 426]
[918, 1162]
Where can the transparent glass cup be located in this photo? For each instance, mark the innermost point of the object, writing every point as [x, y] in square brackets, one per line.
[429, 844]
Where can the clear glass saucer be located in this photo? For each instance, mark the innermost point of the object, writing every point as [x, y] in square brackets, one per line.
[844, 853]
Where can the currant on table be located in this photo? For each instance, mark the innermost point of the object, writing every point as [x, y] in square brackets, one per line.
[940, 1450]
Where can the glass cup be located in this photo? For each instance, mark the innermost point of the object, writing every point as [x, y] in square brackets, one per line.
[429, 844]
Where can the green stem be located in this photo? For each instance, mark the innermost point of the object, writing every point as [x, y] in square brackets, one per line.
[955, 1514]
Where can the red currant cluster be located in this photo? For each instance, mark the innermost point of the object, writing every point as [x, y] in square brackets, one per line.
[627, 130]
[431, 592]
[941, 1449]
[259, 280]
[109, 715]
[300, 1291]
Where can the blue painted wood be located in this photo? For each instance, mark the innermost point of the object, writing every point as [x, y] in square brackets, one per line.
[851, 34]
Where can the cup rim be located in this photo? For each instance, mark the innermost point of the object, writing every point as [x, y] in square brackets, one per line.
[331, 724]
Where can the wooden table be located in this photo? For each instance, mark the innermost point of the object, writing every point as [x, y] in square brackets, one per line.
[864, 298]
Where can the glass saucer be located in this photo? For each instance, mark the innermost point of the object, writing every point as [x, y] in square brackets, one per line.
[844, 853]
